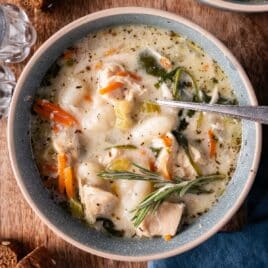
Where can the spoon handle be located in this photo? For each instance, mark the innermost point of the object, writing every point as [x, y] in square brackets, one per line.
[254, 113]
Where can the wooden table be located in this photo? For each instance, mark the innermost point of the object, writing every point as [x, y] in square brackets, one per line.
[245, 35]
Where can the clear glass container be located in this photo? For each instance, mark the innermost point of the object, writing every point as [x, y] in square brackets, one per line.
[7, 85]
[17, 34]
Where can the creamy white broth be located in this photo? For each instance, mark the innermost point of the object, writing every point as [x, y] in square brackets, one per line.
[74, 85]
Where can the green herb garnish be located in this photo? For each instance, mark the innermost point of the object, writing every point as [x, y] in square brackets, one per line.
[156, 151]
[206, 97]
[215, 80]
[190, 113]
[123, 147]
[183, 125]
[165, 188]
[225, 101]
[154, 199]
[176, 89]
[143, 175]
[151, 66]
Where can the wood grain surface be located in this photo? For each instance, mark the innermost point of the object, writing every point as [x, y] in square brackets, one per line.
[245, 35]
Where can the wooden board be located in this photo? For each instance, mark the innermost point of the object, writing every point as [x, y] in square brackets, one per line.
[245, 35]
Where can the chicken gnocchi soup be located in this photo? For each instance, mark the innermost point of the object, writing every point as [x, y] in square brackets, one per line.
[115, 159]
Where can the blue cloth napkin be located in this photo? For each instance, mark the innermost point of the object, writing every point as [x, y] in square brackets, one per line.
[247, 248]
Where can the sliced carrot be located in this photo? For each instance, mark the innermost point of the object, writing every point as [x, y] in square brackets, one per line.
[69, 182]
[53, 112]
[130, 74]
[212, 143]
[167, 140]
[165, 63]
[62, 163]
[41, 112]
[111, 87]
[110, 51]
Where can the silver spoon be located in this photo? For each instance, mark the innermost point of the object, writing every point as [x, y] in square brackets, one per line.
[253, 113]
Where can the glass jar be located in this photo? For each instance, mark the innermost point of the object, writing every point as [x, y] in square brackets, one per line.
[17, 34]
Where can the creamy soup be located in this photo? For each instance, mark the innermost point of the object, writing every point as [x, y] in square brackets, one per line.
[113, 157]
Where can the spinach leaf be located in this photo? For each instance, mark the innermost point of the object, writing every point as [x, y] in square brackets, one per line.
[183, 125]
[215, 80]
[181, 139]
[150, 64]
[190, 113]
[206, 97]
[226, 101]
[156, 151]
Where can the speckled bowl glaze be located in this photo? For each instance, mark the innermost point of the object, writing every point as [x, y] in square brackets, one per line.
[71, 229]
[239, 5]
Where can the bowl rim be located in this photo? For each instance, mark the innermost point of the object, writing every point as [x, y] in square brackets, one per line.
[235, 6]
[101, 15]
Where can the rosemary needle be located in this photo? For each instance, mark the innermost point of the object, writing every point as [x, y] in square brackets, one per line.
[164, 188]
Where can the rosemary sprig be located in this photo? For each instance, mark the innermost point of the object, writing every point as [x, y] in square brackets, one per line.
[143, 175]
[154, 199]
[164, 188]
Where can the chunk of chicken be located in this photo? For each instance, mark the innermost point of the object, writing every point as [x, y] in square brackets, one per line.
[86, 174]
[109, 156]
[113, 72]
[216, 124]
[197, 156]
[98, 203]
[165, 221]
[185, 168]
[166, 158]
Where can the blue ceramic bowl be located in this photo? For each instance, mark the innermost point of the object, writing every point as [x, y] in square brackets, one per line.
[71, 229]
[239, 5]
